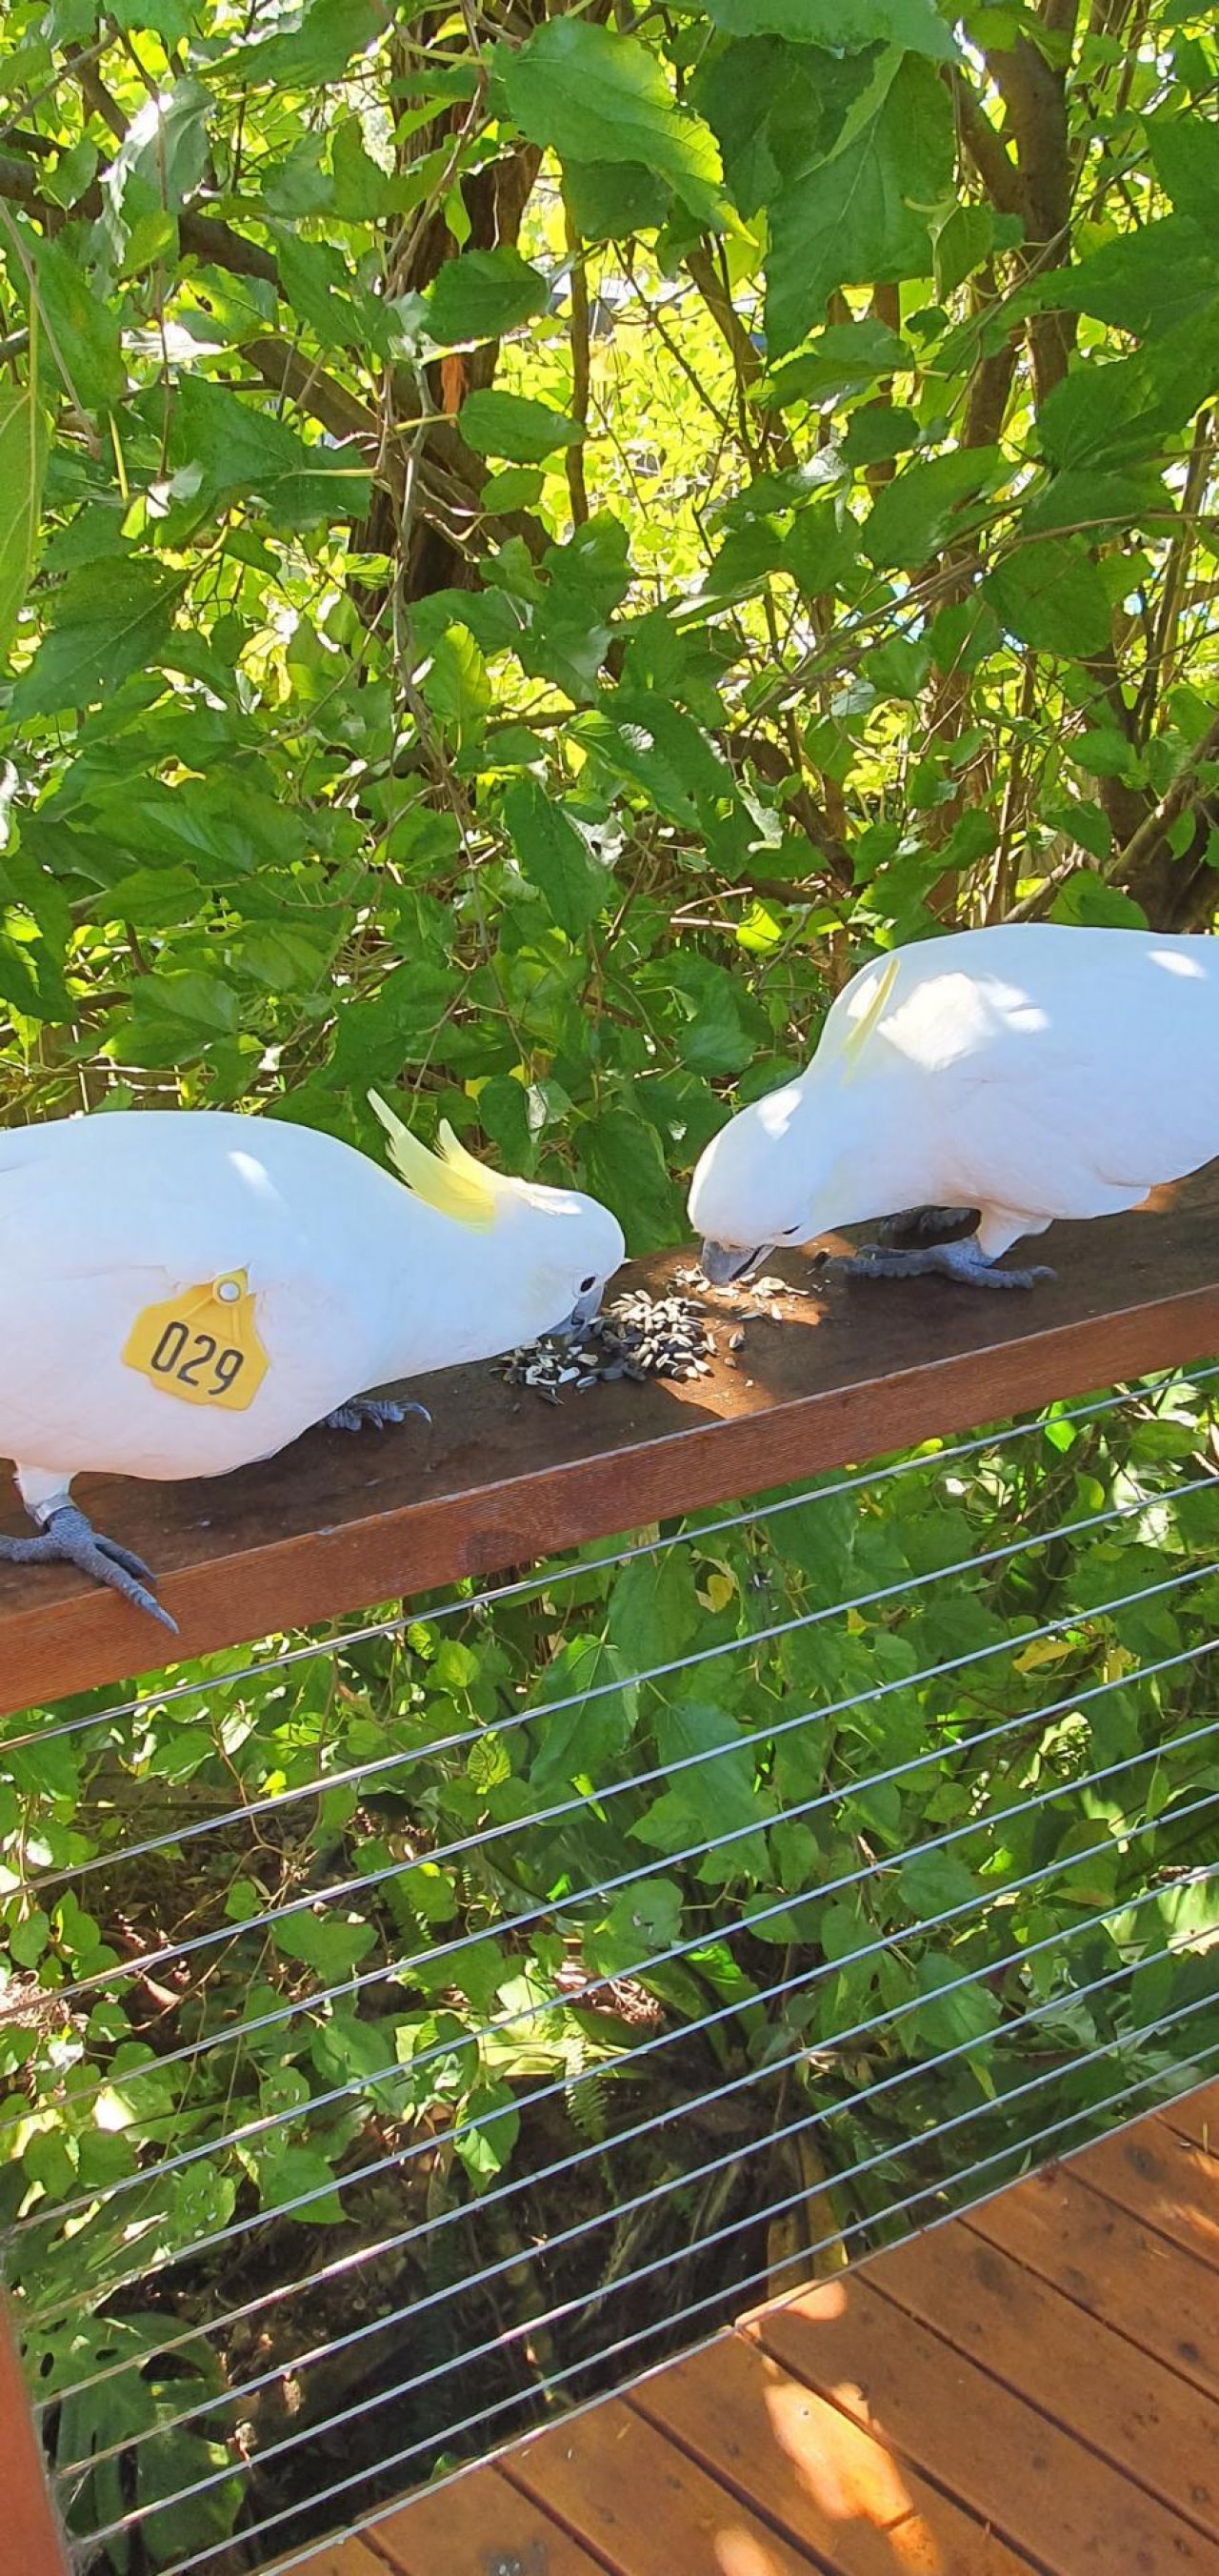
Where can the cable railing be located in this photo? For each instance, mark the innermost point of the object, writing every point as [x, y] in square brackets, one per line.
[420, 2026]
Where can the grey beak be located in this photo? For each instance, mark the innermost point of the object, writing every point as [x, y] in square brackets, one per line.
[583, 1313]
[721, 1262]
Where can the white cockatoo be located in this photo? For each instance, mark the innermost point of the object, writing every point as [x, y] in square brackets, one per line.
[1018, 1074]
[184, 1291]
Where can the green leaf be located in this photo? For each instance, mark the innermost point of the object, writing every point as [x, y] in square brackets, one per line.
[285, 2173]
[1097, 503]
[964, 239]
[934, 1882]
[609, 200]
[1051, 595]
[715, 1800]
[1187, 165]
[483, 294]
[862, 213]
[454, 684]
[590, 95]
[1149, 281]
[878, 432]
[1117, 413]
[80, 350]
[848, 26]
[1084, 899]
[777, 109]
[553, 854]
[242, 449]
[321, 287]
[485, 2148]
[916, 514]
[363, 191]
[396, 1026]
[23, 460]
[164, 152]
[627, 1170]
[946, 2020]
[515, 426]
[28, 1939]
[168, 19]
[658, 747]
[654, 1613]
[314, 53]
[578, 1742]
[843, 358]
[642, 1921]
[108, 620]
[325, 1943]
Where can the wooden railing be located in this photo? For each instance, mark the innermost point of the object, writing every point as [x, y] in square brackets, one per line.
[341, 1520]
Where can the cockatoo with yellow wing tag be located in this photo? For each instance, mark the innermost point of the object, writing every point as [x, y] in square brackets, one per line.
[1019, 1074]
[185, 1291]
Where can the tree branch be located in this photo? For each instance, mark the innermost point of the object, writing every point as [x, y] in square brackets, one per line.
[985, 146]
[203, 236]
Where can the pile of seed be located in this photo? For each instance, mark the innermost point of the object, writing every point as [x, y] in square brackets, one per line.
[637, 1337]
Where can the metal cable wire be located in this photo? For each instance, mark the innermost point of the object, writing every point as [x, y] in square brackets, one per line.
[679, 2033]
[1143, 1504]
[666, 2262]
[662, 1958]
[475, 1842]
[997, 1438]
[368, 2523]
[514, 1720]
[1044, 2008]
[406, 2153]
[551, 2382]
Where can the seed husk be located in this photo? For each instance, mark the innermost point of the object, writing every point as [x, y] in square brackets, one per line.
[637, 1337]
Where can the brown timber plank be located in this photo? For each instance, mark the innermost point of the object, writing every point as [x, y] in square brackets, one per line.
[1196, 2115]
[831, 2487]
[1162, 2178]
[1091, 2381]
[30, 2543]
[478, 2523]
[344, 2558]
[1115, 2269]
[1068, 2510]
[339, 1522]
[645, 2507]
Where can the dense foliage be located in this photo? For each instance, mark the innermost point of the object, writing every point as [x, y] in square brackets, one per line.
[527, 545]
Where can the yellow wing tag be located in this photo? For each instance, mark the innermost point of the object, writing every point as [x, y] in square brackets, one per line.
[202, 1345]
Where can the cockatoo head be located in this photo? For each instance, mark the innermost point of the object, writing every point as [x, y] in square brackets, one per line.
[561, 1248]
[755, 1186]
[548, 1251]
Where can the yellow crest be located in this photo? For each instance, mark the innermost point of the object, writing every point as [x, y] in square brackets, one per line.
[452, 1181]
[852, 1047]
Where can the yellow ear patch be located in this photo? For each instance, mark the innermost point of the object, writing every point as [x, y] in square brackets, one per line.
[456, 1186]
[854, 1043]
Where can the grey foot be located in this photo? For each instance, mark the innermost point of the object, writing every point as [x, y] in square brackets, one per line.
[371, 1412]
[919, 1227]
[69, 1538]
[961, 1261]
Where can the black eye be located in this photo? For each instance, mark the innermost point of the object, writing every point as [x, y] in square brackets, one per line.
[590, 1282]
[789, 1231]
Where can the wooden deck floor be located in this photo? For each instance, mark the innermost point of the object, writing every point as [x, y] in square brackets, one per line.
[1032, 2387]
